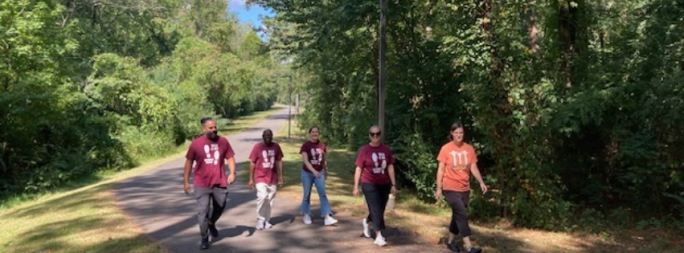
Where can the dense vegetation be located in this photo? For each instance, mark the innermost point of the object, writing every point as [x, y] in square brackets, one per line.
[100, 85]
[575, 106]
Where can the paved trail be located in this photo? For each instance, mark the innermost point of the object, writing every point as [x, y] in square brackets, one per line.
[156, 202]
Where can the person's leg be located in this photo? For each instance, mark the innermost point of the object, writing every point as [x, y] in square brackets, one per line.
[460, 215]
[270, 198]
[320, 188]
[307, 183]
[262, 195]
[218, 197]
[463, 221]
[219, 201]
[368, 220]
[456, 204]
[203, 196]
[374, 200]
[383, 194]
[372, 196]
[326, 213]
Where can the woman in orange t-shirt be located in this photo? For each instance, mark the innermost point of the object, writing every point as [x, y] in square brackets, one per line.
[457, 160]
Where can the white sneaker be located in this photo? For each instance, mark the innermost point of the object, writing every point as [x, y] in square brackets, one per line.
[267, 225]
[260, 225]
[366, 231]
[380, 241]
[307, 219]
[329, 220]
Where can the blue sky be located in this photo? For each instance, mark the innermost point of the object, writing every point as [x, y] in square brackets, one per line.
[248, 14]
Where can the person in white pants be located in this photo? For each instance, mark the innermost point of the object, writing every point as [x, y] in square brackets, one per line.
[266, 169]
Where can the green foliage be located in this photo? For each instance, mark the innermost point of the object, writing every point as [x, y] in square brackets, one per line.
[570, 104]
[101, 86]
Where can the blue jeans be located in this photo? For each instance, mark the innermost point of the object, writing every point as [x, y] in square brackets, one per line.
[308, 180]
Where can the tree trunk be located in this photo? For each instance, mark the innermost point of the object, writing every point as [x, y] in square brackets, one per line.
[533, 31]
[567, 31]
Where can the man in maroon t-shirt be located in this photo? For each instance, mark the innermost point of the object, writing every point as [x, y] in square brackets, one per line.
[266, 169]
[209, 152]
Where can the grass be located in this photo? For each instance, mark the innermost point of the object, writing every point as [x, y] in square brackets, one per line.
[430, 221]
[84, 217]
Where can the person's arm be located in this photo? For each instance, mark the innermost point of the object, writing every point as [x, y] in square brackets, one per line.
[231, 167]
[478, 177]
[308, 165]
[186, 176]
[357, 178]
[325, 165]
[252, 166]
[279, 163]
[281, 177]
[357, 173]
[390, 170]
[440, 176]
[230, 160]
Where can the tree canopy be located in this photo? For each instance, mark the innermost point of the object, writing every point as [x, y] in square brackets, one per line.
[101, 85]
[573, 105]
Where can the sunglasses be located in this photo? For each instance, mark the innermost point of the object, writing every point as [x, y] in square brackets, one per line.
[375, 134]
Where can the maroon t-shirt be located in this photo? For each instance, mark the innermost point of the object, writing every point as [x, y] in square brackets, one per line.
[265, 158]
[210, 158]
[373, 162]
[315, 151]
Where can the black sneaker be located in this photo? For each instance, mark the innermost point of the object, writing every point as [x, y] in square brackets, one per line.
[453, 247]
[475, 250]
[213, 231]
[205, 243]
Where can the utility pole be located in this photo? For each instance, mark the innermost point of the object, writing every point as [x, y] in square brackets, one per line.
[296, 108]
[289, 108]
[382, 85]
[382, 80]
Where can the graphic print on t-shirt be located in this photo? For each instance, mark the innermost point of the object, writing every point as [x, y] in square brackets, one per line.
[269, 158]
[207, 152]
[379, 162]
[316, 156]
[459, 159]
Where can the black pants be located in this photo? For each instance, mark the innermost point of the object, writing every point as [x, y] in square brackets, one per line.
[376, 199]
[458, 201]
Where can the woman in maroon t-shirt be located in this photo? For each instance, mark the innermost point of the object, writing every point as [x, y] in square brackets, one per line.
[375, 170]
[315, 172]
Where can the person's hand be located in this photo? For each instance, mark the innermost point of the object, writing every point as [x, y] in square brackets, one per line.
[250, 185]
[281, 181]
[326, 175]
[356, 191]
[316, 174]
[438, 194]
[484, 188]
[231, 178]
[393, 191]
[186, 188]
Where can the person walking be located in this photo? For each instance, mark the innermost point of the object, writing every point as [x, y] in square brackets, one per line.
[315, 171]
[457, 160]
[266, 169]
[210, 153]
[375, 172]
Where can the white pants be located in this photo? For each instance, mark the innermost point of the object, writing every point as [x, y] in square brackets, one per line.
[265, 195]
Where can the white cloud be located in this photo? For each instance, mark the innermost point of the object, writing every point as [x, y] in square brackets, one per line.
[236, 3]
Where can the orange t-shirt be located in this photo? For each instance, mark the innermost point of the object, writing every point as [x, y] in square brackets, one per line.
[456, 177]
